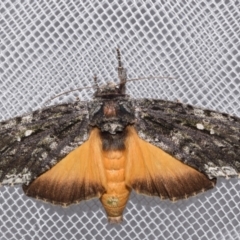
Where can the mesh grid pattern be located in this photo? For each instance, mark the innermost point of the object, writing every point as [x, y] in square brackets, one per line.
[49, 47]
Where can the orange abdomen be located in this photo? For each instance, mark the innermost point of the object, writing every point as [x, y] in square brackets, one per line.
[117, 193]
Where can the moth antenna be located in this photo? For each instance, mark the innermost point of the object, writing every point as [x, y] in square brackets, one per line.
[142, 78]
[64, 93]
[119, 58]
[95, 81]
[122, 74]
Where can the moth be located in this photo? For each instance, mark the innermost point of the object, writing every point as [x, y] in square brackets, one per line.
[113, 144]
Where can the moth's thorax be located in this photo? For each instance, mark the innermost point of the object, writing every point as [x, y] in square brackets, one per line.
[111, 115]
[110, 109]
[112, 142]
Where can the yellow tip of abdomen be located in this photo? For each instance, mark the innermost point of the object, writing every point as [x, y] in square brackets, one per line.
[118, 219]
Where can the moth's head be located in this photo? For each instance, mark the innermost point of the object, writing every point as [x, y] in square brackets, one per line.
[110, 90]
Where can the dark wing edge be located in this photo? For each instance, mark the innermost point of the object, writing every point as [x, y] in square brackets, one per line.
[206, 140]
[78, 176]
[33, 143]
[152, 171]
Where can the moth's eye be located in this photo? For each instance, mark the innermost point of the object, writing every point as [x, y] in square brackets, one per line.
[18, 119]
[188, 106]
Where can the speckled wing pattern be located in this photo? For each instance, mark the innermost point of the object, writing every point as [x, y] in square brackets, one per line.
[32, 144]
[205, 140]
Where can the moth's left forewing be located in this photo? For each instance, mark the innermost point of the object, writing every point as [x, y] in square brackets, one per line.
[206, 140]
[33, 143]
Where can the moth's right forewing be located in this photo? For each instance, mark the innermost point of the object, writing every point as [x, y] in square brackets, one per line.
[206, 140]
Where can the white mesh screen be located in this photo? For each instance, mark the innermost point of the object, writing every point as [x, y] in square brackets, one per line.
[48, 47]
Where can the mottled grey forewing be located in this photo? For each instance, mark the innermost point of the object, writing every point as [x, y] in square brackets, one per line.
[206, 140]
[32, 144]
